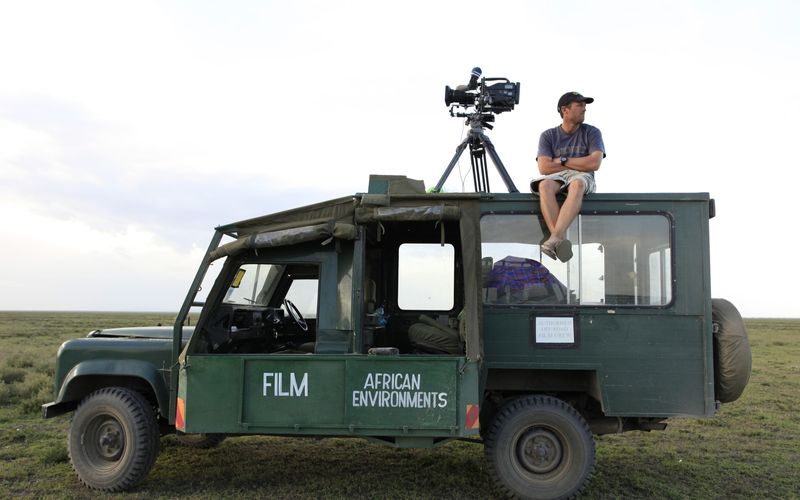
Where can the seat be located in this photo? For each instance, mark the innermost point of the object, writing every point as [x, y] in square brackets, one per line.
[307, 347]
[428, 336]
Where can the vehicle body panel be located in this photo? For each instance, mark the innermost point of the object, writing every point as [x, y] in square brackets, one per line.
[329, 394]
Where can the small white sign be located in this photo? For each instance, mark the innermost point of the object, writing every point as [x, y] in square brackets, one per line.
[555, 331]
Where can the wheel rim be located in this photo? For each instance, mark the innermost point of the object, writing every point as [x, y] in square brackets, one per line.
[539, 450]
[104, 440]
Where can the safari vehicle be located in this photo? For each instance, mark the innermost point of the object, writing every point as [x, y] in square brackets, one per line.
[412, 319]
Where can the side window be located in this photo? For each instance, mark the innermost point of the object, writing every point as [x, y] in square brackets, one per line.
[303, 294]
[618, 260]
[426, 273]
[660, 273]
[636, 257]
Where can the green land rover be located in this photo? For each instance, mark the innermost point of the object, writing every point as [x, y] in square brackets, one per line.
[412, 319]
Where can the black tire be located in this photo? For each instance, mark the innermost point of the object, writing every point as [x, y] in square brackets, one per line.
[204, 441]
[113, 439]
[540, 447]
[732, 356]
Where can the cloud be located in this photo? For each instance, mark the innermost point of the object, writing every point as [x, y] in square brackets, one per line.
[66, 264]
[71, 172]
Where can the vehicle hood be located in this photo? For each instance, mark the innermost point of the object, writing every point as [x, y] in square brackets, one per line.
[141, 332]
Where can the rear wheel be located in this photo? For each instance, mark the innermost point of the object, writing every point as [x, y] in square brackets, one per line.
[540, 447]
[113, 439]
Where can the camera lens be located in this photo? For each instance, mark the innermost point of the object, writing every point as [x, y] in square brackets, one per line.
[457, 96]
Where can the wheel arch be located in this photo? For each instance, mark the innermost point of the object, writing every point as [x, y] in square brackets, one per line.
[580, 388]
[89, 376]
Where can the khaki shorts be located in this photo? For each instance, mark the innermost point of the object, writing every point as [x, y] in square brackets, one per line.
[565, 177]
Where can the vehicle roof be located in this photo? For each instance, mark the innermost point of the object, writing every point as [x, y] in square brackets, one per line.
[388, 190]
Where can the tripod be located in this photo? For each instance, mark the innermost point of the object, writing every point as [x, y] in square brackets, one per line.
[479, 144]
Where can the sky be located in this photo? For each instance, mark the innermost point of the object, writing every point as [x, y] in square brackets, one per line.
[129, 130]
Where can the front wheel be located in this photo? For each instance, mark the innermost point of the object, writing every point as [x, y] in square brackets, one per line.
[113, 440]
[540, 447]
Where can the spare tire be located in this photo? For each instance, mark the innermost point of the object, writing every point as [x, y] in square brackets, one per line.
[732, 358]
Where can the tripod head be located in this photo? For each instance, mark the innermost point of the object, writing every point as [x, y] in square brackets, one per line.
[475, 119]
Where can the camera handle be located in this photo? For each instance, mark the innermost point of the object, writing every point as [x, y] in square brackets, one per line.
[479, 144]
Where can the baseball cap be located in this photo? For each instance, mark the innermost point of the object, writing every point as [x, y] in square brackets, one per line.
[571, 97]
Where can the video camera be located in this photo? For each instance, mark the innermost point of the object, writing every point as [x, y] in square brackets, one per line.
[485, 98]
[486, 101]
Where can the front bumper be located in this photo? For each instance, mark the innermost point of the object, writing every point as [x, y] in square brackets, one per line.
[50, 410]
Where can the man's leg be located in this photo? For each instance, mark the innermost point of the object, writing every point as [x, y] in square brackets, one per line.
[568, 212]
[570, 209]
[547, 200]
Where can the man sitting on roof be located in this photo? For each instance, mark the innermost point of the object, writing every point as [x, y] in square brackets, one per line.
[568, 156]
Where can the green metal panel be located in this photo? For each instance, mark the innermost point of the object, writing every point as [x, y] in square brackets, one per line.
[648, 361]
[416, 394]
[294, 393]
[329, 394]
[357, 297]
[138, 358]
[646, 365]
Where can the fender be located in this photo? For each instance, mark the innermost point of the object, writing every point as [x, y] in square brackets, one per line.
[88, 376]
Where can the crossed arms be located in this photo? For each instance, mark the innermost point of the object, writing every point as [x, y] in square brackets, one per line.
[589, 163]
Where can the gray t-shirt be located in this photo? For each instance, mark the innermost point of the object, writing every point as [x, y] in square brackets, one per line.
[554, 143]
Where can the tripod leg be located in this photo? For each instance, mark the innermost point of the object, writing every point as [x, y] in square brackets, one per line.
[475, 178]
[459, 150]
[485, 172]
[501, 169]
[480, 175]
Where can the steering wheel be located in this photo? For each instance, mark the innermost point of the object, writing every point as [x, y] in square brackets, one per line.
[295, 314]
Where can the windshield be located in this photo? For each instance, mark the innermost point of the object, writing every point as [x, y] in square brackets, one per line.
[254, 284]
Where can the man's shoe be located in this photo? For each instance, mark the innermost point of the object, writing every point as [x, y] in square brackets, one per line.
[563, 250]
[548, 250]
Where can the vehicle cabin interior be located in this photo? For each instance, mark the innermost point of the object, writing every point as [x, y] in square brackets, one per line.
[412, 293]
[413, 284]
[262, 310]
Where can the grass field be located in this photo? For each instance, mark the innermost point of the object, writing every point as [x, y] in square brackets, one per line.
[750, 450]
